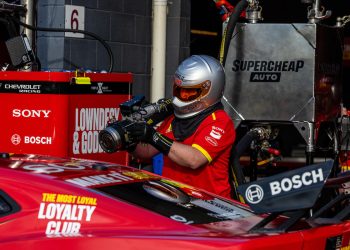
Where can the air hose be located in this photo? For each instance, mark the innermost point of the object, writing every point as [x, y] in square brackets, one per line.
[235, 166]
[104, 43]
[226, 38]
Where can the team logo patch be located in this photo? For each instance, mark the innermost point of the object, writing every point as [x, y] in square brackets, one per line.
[216, 132]
[211, 141]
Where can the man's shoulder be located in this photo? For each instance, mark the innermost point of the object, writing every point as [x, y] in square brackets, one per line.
[219, 116]
[220, 119]
[221, 113]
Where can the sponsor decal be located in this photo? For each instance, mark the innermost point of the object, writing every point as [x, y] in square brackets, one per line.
[88, 123]
[52, 167]
[65, 213]
[23, 88]
[31, 113]
[15, 139]
[181, 219]
[278, 193]
[138, 175]
[335, 243]
[297, 181]
[95, 180]
[37, 140]
[254, 194]
[265, 77]
[211, 141]
[176, 184]
[178, 79]
[100, 89]
[218, 208]
[329, 68]
[216, 132]
[61, 167]
[266, 71]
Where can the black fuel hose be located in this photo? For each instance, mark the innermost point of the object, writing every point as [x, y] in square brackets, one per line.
[104, 43]
[236, 153]
[239, 8]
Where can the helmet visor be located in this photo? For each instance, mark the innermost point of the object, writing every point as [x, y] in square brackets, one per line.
[190, 93]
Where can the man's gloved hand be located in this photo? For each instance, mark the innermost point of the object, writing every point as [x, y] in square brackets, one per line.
[141, 131]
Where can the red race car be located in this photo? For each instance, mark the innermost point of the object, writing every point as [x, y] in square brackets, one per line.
[56, 203]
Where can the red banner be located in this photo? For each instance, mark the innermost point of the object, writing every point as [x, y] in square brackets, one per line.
[43, 113]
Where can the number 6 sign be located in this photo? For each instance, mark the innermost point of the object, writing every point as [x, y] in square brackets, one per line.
[74, 19]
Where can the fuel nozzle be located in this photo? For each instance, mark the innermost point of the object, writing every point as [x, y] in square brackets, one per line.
[316, 12]
[253, 12]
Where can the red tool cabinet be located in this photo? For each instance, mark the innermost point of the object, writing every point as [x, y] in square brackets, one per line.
[49, 113]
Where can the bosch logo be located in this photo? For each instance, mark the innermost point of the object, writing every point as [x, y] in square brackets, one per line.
[15, 139]
[31, 113]
[296, 181]
[254, 194]
[37, 140]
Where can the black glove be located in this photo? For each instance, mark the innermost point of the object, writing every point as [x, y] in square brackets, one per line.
[141, 131]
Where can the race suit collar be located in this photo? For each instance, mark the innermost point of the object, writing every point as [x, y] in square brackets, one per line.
[184, 128]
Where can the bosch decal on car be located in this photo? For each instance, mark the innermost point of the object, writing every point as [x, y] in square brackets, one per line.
[277, 192]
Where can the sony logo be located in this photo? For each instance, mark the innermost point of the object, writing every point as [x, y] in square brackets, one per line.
[296, 181]
[30, 113]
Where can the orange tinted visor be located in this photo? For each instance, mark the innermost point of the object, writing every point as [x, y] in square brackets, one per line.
[188, 94]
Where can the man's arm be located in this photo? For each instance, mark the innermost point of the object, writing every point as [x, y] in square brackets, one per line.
[152, 142]
[182, 154]
[144, 151]
[187, 156]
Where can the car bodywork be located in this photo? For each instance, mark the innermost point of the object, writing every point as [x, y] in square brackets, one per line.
[57, 203]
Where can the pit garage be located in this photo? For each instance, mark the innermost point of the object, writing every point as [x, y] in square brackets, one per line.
[286, 80]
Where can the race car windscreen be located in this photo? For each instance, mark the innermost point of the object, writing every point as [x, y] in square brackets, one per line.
[182, 204]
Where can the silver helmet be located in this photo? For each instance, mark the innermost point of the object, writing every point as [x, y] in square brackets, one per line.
[199, 83]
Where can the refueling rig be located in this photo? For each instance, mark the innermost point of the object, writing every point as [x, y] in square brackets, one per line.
[283, 80]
